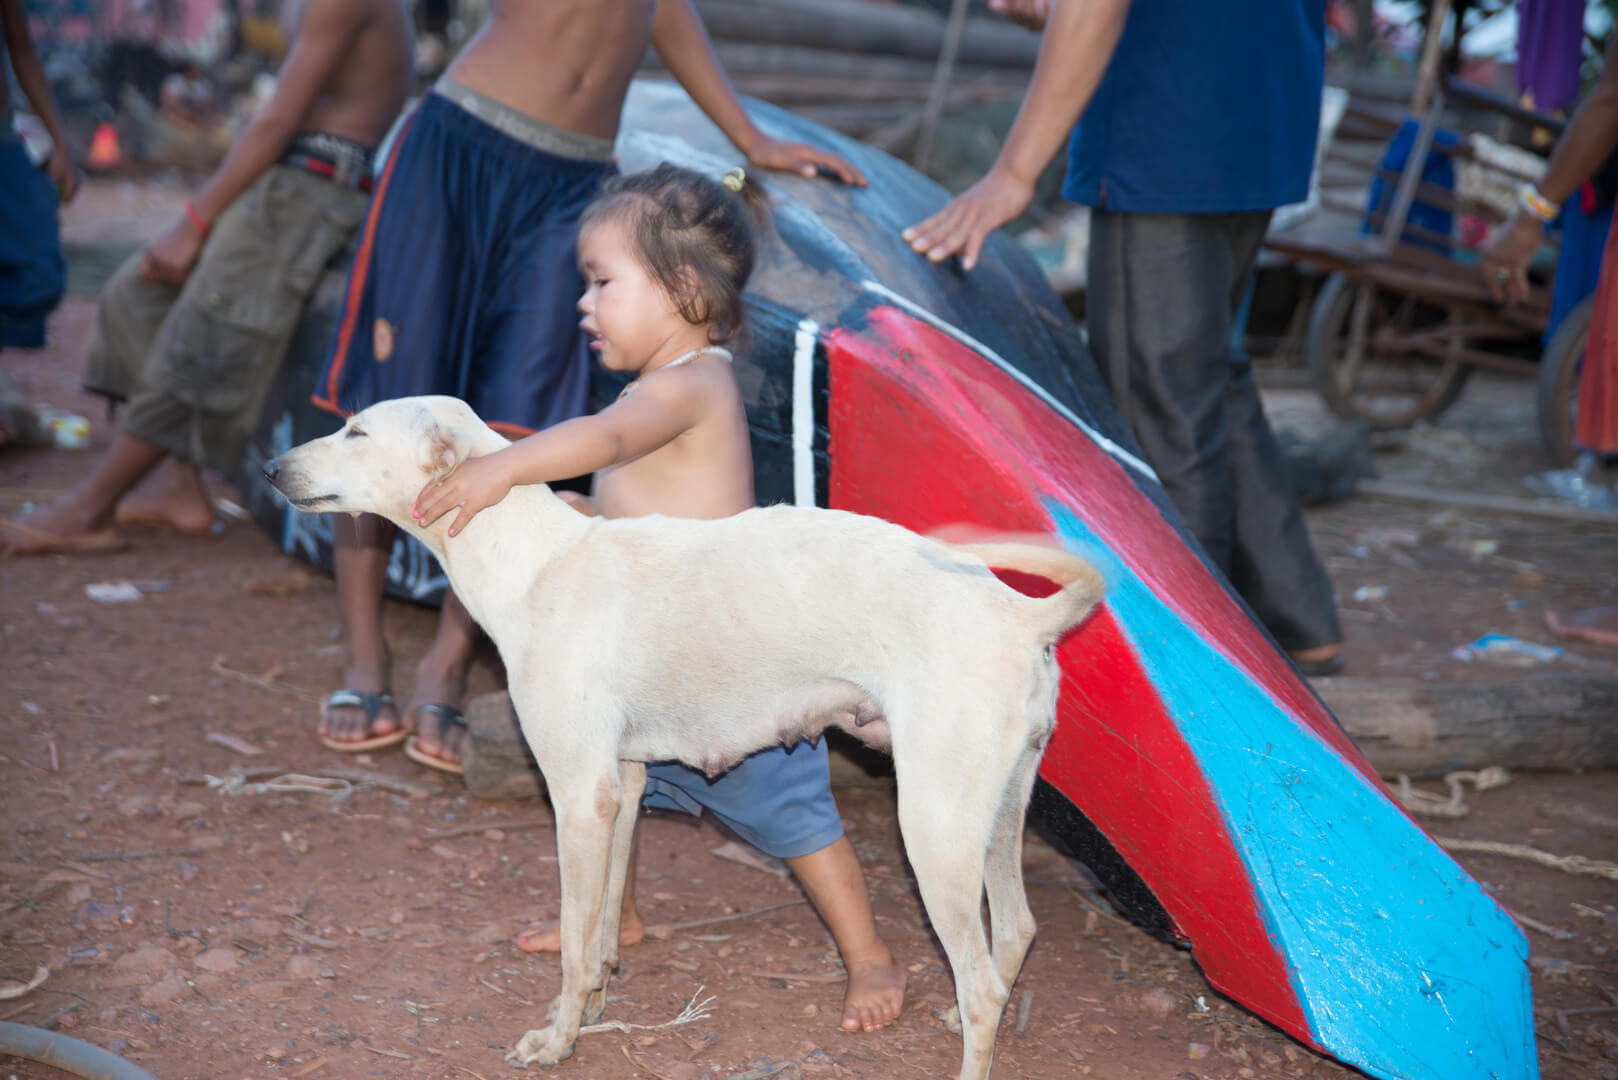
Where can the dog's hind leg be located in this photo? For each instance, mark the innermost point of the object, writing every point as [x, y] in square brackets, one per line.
[946, 846]
[631, 786]
[1011, 924]
[586, 798]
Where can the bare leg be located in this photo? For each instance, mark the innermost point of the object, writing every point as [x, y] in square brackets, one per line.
[876, 982]
[441, 678]
[361, 547]
[87, 508]
[547, 936]
[172, 495]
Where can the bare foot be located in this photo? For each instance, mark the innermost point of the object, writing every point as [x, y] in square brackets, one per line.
[876, 995]
[547, 936]
[59, 527]
[1598, 625]
[180, 511]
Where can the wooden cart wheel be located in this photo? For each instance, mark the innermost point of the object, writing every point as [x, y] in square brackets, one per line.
[1353, 347]
[1559, 371]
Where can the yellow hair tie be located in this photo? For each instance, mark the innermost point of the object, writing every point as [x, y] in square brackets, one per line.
[734, 179]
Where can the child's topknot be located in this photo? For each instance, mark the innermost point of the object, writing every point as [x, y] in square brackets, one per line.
[697, 237]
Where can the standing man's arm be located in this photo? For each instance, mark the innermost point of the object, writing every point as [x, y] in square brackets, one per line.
[325, 32]
[1589, 137]
[682, 42]
[31, 77]
[1080, 36]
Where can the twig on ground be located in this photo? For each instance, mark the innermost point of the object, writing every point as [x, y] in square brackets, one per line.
[464, 1069]
[1544, 928]
[313, 1066]
[258, 772]
[1570, 864]
[493, 987]
[387, 1053]
[121, 856]
[56, 763]
[694, 1010]
[50, 1021]
[537, 823]
[233, 742]
[287, 783]
[791, 976]
[267, 681]
[314, 940]
[662, 931]
[409, 788]
[41, 973]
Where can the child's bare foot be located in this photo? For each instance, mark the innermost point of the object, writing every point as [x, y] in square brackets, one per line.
[1596, 625]
[876, 994]
[547, 936]
[173, 496]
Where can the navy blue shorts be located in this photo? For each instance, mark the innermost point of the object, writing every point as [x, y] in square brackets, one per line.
[466, 281]
[778, 800]
[33, 273]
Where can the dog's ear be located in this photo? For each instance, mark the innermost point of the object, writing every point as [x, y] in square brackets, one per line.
[446, 449]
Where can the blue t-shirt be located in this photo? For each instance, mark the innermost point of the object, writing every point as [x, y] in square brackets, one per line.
[1208, 106]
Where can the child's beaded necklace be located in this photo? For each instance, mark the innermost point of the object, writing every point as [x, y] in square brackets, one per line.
[686, 358]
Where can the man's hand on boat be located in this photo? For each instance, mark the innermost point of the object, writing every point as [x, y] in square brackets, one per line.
[962, 226]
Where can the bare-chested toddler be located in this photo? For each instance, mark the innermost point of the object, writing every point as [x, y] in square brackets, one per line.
[665, 255]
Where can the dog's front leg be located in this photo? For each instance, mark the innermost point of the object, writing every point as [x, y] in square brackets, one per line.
[587, 804]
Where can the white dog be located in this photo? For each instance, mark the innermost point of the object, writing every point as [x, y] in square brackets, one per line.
[657, 639]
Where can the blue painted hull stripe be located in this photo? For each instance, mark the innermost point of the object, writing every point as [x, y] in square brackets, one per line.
[1404, 967]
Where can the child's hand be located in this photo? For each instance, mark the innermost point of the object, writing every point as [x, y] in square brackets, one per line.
[477, 484]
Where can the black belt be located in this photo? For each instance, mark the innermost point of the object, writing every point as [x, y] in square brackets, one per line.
[339, 160]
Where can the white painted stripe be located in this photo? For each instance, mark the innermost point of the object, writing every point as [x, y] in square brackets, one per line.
[803, 413]
[1106, 444]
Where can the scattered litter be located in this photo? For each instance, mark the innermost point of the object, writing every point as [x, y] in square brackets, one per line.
[233, 742]
[736, 852]
[1482, 549]
[1426, 804]
[1366, 593]
[113, 592]
[68, 430]
[694, 1010]
[7, 992]
[1504, 649]
[231, 510]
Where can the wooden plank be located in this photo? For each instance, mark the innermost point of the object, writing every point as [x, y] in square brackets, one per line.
[1541, 721]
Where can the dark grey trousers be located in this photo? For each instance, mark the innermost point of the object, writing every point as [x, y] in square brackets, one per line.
[1162, 292]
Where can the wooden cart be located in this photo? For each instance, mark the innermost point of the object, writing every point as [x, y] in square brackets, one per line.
[1404, 318]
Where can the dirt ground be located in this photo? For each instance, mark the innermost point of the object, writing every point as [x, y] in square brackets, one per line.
[204, 933]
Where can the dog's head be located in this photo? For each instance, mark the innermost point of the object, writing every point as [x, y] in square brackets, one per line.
[381, 458]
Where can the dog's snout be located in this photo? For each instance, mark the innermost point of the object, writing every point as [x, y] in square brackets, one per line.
[272, 469]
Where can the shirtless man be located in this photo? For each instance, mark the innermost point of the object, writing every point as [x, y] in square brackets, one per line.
[32, 271]
[467, 284]
[191, 331]
[676, 442]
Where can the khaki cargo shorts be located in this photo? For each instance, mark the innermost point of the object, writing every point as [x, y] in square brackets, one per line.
[196, 361]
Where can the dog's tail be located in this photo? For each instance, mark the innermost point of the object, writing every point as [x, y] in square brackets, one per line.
[1082, 584]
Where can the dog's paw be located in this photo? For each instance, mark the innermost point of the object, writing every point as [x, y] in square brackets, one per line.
[540, 1047]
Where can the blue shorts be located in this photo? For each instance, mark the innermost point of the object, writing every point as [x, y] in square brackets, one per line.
[33, 274]
[778, 800]
[466, 279]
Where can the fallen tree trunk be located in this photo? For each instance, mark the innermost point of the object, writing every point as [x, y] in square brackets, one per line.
[1536, 722]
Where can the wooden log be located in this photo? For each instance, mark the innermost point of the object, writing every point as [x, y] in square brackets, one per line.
[854, 26]
[1542, 721]
[494, 754]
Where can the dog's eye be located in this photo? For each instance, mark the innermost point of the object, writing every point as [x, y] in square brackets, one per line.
[354, 433]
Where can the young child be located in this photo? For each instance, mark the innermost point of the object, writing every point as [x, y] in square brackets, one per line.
[665, 255]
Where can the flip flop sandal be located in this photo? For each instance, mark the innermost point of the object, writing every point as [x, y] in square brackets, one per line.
[448, 717]
[372, 703]
[36, 542]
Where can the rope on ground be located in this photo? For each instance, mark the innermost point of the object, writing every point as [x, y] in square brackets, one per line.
[1426, 804]
[291, 782]
[1568, 864]
[694, 1010]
